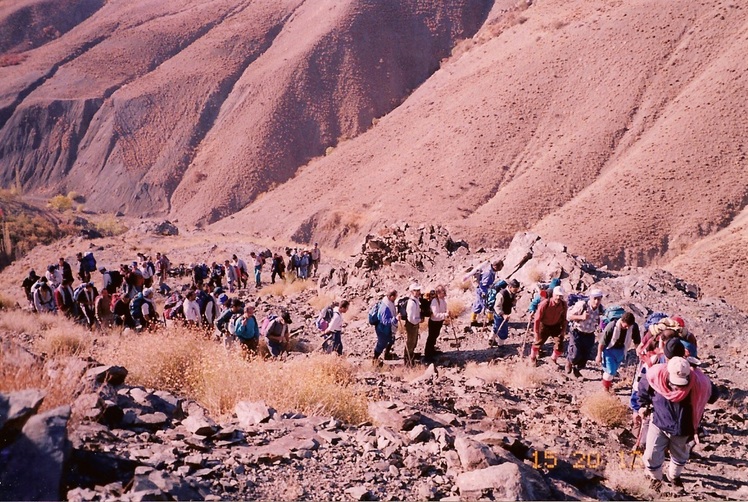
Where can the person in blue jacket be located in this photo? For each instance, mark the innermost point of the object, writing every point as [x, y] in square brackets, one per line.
[386, 327]
[247, 331]
[487, 279]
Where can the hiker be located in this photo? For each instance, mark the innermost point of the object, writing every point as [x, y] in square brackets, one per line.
[585, 318]
[162, 272]
[304, 261]
[136, 282]
[223, 320]
[277, 334]
[85, 297]
[676, 395]
[121, 311]
[412, 321]
[243, 271]
[83, 274]
[64, 298]
[103, 310]
[147, 270]
[277, 267]
[247, 331]
[216, 275]
[54, 276]
[142, 309]
[293, 262]
[485, 281]
[258, 261]
[315, 256]
[335, 328]
[386, 326]
[44, 300]
[27, 284]
[505, 301]
[615, 341]
[191, 308]
[66, 270]
[550, 321]
[439, 316]
[232, 275]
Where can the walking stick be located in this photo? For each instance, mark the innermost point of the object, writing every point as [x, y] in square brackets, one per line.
[524, 336]
[454, 334]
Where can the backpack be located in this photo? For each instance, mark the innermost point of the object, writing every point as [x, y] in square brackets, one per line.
[77, 293]
[116, 278]
[89, 262]
[266, 324]
[575, 298]
[653, 319]
[374, 314]
[232, 323]
[425, 305]
[324, 318]
[175, 312]
[612, 313]
[402, 307]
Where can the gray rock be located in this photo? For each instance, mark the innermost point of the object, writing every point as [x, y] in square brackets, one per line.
[474, 454]
[505, 481]
[419, 434]
[33, 466]
[385, 413]
[15, 409]
[113, 375]
[200, 425]
[249, 413]
[427, 375]
[359, 493]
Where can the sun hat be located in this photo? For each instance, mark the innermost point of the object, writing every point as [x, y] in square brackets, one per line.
[596, 293]
[559, 291]
[415, 287]
[678, 370]
[223, 299]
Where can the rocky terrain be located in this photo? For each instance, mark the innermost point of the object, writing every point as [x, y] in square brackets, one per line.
[322, 120]
[478, 423]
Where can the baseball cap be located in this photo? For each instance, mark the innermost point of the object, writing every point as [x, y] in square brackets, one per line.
[596, 293]
[559, 291]
[678, 370]
[415, 287]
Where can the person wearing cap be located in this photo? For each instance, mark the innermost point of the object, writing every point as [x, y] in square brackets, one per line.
[486, 280]
[247, 331]
[412, 322]
[142, 309]
[505, 301]
[676, 394]
[234, 310]
[550, 321]
[584, 317]
[386, 327]
[335, 327]
[277, 334]
[615, 341]
[316, 255]
[439, 316]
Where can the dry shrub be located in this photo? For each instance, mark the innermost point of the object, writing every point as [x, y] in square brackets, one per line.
[628, 481]
[321, 300]
[16, 377]
[60, 203]
[605, 409]
[456, 307]
[285, 288]
[462, 285]
[535, 275]
[63, 342]
[184, 362]
[6, 302]
[109, 226]
[516, 375]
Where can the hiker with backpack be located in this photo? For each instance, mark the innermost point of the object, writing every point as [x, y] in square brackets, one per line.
[676, 395]
[617, 338]
[259, 261]
[103, 310]
[148, 270]
[409, 311]
[83, 274]
[334, 331]
[225, 318]
[584, 316]
[143, 311]
[27, 284]
[64, 298]
[305, 260]
[385, 327]
[54, 276]
[242, 270]
[276, 332]
[44, 300]
[277, 268]
[503, 305]
[247, 331]
[65, 269]
[438, 316]
[485, 279]
[550, 322]
[316, 256]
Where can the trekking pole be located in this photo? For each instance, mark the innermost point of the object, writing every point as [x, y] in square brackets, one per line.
[524, 336]
[454, 333]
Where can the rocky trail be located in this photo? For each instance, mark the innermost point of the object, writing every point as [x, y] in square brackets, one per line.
[478, 423]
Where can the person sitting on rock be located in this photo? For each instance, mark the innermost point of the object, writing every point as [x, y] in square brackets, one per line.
[44, 300]
[486, 280]
[143, 311]
[585, 318]
[550, 321]
[277, 334]
[505, 301]
[439, 316]
[386, 327]
[335, 329]
[676, 394]
[615, 341]
[247, 331]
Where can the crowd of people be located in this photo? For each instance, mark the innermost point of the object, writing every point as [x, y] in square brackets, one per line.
[668, 395]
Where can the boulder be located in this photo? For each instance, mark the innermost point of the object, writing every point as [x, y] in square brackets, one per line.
[15, 409]
[33, 466]
[505, 482]
[250, 414]
[200, 425]
[474, 454]
[113, 375]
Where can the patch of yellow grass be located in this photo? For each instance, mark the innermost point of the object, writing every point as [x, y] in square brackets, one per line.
[462, 285]
[62, 342]
[629, 481]
[6, 302]
[535, 275]
[321, 300]
[109, 226]
[605, 409]
[456, 307]
[186, 363]
[285, 288]
[516, 375]
[60, 203]
[16, 377]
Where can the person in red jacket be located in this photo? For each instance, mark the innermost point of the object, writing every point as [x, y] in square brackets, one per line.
[550, 321]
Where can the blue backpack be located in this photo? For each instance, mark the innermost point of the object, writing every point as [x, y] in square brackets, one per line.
[374, 314]
[653, 319]
[612, 313]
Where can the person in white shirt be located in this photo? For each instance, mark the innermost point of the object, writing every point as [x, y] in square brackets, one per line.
[335, 328]
[243, 271]
[191, 308]
[412, 321]
[438, 317]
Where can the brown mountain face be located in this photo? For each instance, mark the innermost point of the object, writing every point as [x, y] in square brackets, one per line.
[618, 127]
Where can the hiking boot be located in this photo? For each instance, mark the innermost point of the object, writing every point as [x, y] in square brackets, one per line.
[568, 367]
[576, 372]
[391, 356]
[676, 481]
[655, 484]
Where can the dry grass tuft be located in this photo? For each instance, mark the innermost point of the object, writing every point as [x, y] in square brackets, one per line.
[109, 226]
[321, 300]
[58, 342]
[456, 307]
[462, 285]
[516, 375]
[186, 363]
[285, 288]
[605, 409]
[535, 275]
[16, 376]
[6, 302]
[628, 481]
[60, 203]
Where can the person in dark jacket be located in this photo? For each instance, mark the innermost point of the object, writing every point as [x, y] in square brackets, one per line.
[121, 310]
[66, 269]
[676, 394]
[505, 302]
[619, 336]
[386, 327]
[27, 283]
